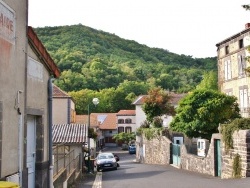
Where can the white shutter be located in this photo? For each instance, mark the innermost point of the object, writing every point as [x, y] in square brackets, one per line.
[229, 69]
[241, 98]
[240, 65]
[245, 104]
[225, 70]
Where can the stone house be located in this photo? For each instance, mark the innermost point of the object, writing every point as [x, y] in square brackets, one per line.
[232, 77]
[26, 69]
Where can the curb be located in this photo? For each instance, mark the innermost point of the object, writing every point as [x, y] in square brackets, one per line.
[98, 180]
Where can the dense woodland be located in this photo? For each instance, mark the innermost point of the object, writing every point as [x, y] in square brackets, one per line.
[98, 63]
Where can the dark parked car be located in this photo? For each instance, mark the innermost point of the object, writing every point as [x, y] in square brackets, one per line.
[132, 149]
[106, 161]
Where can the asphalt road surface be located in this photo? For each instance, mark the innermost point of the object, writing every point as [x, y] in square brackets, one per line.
[135, 175]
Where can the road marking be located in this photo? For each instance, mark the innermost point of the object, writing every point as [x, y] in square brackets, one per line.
[98, 180]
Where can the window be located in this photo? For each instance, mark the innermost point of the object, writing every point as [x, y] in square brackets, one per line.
[241, 44]
[241, 66]
[227, 70]
[120, 129]
[227, 49]
[128, 120]
[243, 98]
[120, 121]
[128, 129]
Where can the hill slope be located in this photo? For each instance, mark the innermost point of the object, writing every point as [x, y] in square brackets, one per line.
[94, 59]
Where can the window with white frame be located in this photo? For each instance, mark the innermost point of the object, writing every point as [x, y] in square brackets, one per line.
[243, 92]
[241, 66]
[128, 129]
[227, 70]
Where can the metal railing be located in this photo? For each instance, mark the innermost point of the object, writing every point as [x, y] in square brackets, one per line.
[65, 159]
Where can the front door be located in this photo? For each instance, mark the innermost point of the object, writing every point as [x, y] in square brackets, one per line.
[176, 153]
[217, 158]
[31, 150]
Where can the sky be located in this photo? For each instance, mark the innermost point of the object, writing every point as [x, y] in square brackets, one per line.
[191, 27]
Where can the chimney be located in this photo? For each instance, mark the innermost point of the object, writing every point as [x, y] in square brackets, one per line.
[247, 25]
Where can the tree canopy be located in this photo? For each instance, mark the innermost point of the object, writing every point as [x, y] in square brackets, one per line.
[157, 103]
[95, 60]
[201, 111]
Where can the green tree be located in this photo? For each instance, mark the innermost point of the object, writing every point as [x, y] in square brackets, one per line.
[200, 112]
[124, 137]
[157, 103]
[209, 81]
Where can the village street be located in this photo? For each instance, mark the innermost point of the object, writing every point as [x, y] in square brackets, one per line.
[135, 175]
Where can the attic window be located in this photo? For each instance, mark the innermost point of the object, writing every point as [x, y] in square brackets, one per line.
[227, 49]
[241, 45]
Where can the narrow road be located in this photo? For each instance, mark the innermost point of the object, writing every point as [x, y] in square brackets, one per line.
[135, 175]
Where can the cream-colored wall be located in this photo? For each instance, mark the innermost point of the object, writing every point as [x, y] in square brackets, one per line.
[132, 124]
[12, 79]
[60, 110]
[235, 82]
[37, 94]
[140, 116]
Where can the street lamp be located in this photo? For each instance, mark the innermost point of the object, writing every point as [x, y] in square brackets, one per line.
[95, 102]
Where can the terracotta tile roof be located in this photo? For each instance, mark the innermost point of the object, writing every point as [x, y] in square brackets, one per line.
[43, 54]
[83, 119]
[108, 121]
[69, 133]
[126, 113]
[58, 93]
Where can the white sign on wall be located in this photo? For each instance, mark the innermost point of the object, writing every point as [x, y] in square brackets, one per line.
[7, 23]
[35, 69]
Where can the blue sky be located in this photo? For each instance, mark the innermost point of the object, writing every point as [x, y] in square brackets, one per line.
[180, 26]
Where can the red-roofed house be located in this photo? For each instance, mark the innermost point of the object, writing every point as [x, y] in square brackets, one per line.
[108, 127]
[126, 121]
[141, 116]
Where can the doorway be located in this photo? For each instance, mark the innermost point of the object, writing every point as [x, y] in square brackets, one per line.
[217, 157]
[31, 150]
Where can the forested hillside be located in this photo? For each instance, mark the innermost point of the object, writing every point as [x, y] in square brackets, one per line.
[94, 59]
[97, 60]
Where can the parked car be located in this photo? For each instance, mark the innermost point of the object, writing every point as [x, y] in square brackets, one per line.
[106, 161]
[132, 149]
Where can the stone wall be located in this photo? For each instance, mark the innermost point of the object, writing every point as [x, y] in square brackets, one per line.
[241, 146]
[199, 164]
[158, 151]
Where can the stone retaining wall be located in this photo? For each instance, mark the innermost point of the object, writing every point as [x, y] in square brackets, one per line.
[158, 151]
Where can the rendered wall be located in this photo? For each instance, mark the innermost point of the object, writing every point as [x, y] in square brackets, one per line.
[12, 79]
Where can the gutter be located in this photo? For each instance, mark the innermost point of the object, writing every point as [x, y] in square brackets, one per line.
[50, 95]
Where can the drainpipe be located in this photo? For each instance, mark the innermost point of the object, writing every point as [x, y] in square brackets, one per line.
[20, 138]
[50, 91]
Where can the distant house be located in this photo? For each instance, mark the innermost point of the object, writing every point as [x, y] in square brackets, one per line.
[141, 116]
[63, 107]
[126, 121]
